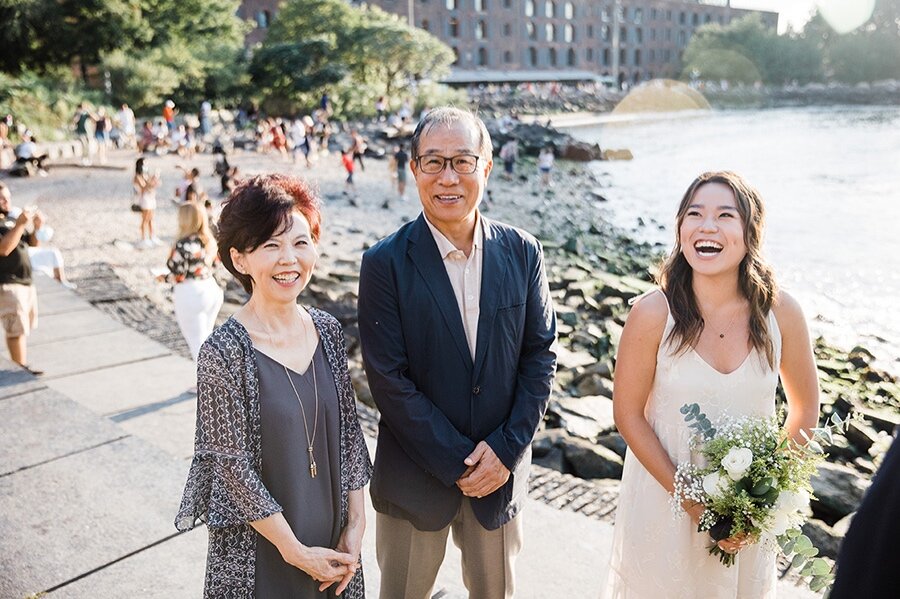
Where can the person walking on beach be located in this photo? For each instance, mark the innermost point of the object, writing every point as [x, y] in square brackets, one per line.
[145, 186]
[401, 159]
[359, 148]
[545, 166]
[18, 297]
[168, 114]
[280, 460]
[84, 120]
[509, 154]
[127, 128]
[719, 332]
[102, 127]
[197, 296]
[347, 162]
[458, 340]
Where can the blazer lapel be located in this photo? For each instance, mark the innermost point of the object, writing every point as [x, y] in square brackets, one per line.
[494, 267]
[423, 252]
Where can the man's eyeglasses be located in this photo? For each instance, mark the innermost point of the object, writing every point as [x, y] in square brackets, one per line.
[432, 164]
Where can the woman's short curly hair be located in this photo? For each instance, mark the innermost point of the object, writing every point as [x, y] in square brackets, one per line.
[260, 208]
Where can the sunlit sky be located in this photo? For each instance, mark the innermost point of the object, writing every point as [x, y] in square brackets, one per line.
[791, 13]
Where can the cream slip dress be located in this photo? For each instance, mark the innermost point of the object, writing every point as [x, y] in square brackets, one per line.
[655, 556]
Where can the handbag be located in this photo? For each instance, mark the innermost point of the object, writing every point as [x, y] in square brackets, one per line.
[135, 207]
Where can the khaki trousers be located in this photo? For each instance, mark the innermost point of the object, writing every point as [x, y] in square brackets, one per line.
[410, 558]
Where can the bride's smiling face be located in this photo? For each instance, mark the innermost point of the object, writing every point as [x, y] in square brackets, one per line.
[711, 233]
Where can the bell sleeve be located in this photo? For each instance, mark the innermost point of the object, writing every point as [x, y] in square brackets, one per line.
[223, 485]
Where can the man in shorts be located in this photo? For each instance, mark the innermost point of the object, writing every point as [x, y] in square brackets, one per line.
[18, 298]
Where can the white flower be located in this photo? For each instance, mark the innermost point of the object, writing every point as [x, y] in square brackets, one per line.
[789, 502]
[737, 461]
[781, 521]
[714, 484]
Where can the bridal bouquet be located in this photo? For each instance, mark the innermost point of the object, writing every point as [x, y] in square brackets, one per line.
[755, 483]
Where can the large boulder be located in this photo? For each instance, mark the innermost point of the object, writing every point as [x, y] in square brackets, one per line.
[589, 460]
[838, 490]
[584, 417]
[580, 151]
[824, 537]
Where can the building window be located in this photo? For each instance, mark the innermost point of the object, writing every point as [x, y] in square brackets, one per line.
[532, 57]
[682, 18]
[262, 19]
[604, 15]
[549, 32]
[604, 33]
[652, 55]
[529, 28]
[482, 57]
[507, 4]
[451, 4]
[668, 35]
[638, 16]
[652, 14]
[572, 59]
[637, 57]
[569, 11]
[653, 34]
[589, 55]
[507, 30]
[529, 8]
[606, 57]
[552, 54]
[426, 24]
[696, 19]
[480, 5]
[549, 9]
[682, 38]
[480, 30]
[569, 33]
[668, 15]
[707, 18]
[623, 35]
[639, 35]
[620, 14]
[623, 57]
[454, 27]
[455, 56]
[590, 31]
[507, 57]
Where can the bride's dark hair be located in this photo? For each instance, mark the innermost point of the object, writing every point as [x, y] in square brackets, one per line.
[756, 280]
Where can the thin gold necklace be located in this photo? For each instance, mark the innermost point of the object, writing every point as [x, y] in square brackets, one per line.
[310, 441]
[730, 322]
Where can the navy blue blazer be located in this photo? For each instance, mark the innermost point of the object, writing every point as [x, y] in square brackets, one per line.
[435, 403]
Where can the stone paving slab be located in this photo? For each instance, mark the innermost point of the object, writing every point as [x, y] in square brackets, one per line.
[169, 570]
[47, 285]
[15, 380]
[168, 425]
[128, 386]
[60, 303]
[71, 325]
[73, 515]
[73, 356]
[43, 425]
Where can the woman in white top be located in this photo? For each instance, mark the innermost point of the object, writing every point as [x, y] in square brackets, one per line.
[145, 186]
[718, 332]
[545, 166]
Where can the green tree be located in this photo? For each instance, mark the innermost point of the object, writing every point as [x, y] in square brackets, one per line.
[746, 51]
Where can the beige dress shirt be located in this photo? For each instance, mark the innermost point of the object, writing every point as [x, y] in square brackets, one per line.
[465, 278]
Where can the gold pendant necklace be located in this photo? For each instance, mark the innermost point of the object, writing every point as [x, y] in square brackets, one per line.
[310, 441]
[313, 469]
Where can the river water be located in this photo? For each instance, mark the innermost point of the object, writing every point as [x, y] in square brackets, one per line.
[830, 178]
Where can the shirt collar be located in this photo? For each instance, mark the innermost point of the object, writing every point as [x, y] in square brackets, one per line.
[445, 247]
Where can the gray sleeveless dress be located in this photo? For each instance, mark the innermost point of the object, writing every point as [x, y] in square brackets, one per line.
[311, 505]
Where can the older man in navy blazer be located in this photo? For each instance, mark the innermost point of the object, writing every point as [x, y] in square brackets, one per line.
[458, 335]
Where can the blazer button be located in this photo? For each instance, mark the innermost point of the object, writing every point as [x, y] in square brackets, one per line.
[476, 390]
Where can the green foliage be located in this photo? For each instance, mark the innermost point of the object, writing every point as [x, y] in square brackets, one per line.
[140, 80]
[746, 51]
[865, 56]
[312, 42]
[43, 103]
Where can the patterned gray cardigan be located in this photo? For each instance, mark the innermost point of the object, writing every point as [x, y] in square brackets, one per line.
[224, 488]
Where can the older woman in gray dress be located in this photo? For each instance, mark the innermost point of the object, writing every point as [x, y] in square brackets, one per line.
[280, 460]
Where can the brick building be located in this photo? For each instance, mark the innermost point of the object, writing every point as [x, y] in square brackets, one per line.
[495, 40]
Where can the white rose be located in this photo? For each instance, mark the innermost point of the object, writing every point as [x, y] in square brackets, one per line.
[781, 521]
[737, 461]
[714, 484]
[789, 502]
